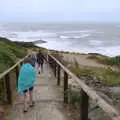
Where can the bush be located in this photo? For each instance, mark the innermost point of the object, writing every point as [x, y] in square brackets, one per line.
[10, 52]
[114, 61]
[106, 76]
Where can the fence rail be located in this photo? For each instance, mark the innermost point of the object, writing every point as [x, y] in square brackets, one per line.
[7, 82]
[86, 92]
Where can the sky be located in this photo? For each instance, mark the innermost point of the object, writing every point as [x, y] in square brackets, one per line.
[59, 10]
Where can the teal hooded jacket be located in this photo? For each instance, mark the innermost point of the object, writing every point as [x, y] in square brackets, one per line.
[27, 77]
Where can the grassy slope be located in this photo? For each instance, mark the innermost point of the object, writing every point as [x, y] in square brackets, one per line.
[10, 52]
[105, 75]
[112, 61]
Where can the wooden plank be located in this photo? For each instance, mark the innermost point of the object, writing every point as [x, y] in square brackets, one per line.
[65, 87]
[8, 88]
[110, 110]
[84, 103]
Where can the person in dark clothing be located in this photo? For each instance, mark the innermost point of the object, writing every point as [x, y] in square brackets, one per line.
[33, 60]
[40, 60]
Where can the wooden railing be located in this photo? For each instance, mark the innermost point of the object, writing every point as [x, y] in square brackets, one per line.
[86, 92]
[8, 84]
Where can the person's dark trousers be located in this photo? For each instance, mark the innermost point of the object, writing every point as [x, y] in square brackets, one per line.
[41, 67]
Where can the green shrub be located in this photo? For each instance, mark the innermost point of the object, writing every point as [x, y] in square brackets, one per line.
[10, 52]
[86, 72]
[107, 76]
[113, 61]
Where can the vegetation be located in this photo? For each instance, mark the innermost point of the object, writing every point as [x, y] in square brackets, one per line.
[106, 76]
[10, 52]
[112, 61]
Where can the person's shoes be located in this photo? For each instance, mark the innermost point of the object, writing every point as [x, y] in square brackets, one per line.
[25, 110]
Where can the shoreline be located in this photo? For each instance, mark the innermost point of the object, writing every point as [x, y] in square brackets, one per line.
[37, 42]
[67, 51]
[59, 47]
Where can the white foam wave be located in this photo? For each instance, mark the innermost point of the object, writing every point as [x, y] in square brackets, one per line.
[26, 36]
[54, 44]
[80, 31]
[85, 35]
[75, 37]
[110, 51]
[95, 42]
[66, 46]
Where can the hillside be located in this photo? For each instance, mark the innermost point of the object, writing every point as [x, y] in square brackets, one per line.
[10, 52]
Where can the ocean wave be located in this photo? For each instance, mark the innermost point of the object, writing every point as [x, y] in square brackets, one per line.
[95, 42]
[53, 40]
[75, 37]
[67, 46]
[80, 31]
[26, 36]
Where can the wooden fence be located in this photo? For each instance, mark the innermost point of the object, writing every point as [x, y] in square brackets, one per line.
[8, 85]
[86, 92]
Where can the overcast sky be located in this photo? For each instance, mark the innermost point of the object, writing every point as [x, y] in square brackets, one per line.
[59, 10]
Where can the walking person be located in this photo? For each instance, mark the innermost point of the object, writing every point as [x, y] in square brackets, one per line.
[40, 61]
[26, 81]
[33, 59]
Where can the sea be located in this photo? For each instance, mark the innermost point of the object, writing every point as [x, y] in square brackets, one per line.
[100, 38]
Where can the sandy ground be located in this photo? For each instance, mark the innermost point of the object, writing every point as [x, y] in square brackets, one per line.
[82, 60]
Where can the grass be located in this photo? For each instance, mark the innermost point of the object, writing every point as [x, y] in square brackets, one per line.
[10, 52]
[112, 61]
[106, 76]
[59, 57]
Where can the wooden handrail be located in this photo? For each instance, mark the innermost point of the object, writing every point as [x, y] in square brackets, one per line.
[110, 110]
[7, 71]
[6, 76]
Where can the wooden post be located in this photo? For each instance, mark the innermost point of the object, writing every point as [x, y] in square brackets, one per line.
[58, 82]
[84, 104]
[65, 87]
[49, 59]
[51, 62]
[8, 88]
[21, 63]
[17, 74]
[55, 68]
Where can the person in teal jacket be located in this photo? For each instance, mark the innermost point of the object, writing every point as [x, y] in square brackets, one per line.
[26, 82]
